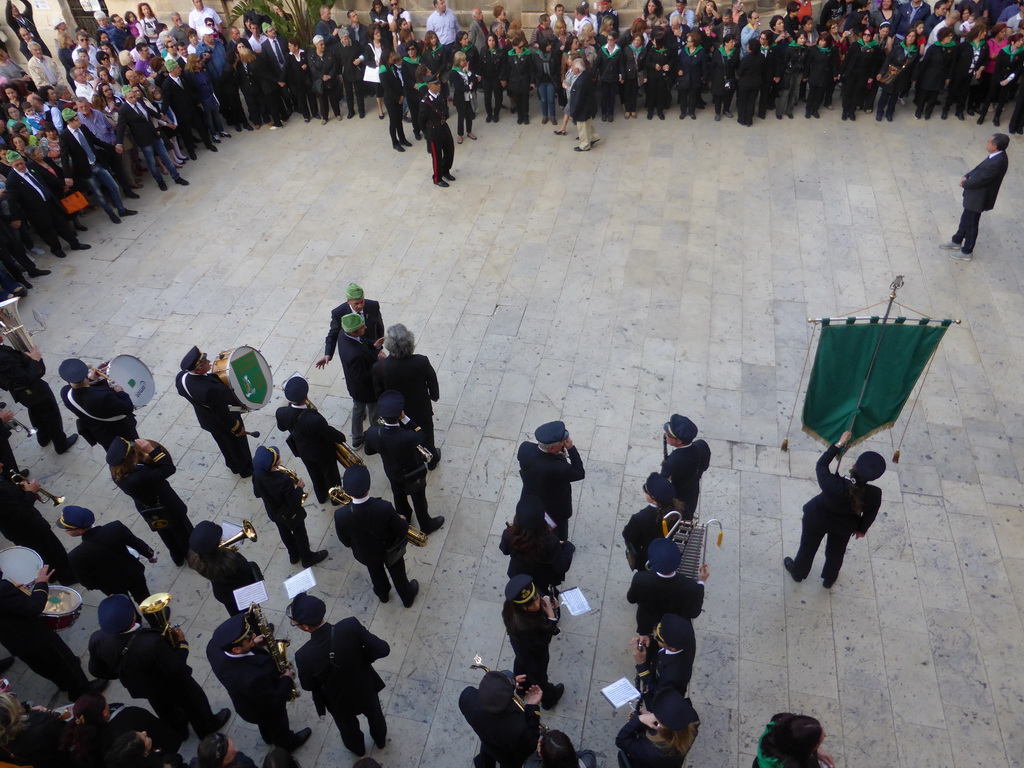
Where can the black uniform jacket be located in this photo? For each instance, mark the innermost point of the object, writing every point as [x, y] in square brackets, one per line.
[22, 629]
[397, 448]
[357, 359]
[350, 684]
[547, 569]
[684, 467]
[313, 436]
[655, 595]
[509, 736]
[641, 529]
[102, 561]
[211, 401]
[94, 405]
[281, 497]
[548, 476]
[256, 688]
[369, 528]
[149, 666]
[833, 503]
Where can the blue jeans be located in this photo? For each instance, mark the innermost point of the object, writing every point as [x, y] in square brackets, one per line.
[546, 94]
[157, 148]
[101, 179]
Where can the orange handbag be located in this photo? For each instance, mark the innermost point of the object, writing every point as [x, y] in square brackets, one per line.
[74, 202]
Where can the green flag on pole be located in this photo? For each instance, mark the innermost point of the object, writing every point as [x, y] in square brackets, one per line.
[846, 365]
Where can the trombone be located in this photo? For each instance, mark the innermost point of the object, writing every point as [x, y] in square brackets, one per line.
[42, 492]
[29, 431]
[248, 532]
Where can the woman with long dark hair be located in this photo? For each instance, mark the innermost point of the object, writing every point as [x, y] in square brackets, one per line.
[846, 506]
[792, 741]
[492, 62]
[94, 727]
[225, 568]
[531, 622]
[532, 546]
[634, 73]
[662, 737]
[895, 74]
[519, 77]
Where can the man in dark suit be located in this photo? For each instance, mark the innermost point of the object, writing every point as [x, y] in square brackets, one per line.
[35, 195]
[311, 438]
[357, 31]
[184, 100]
[355, 303]
[670, 664]
[414, 377]
[336, 666]
[83, 159]
[981, 187]
[434, 127]
[277, 49]
[358, 353]
[687, 463]
[283, 501]
[151, 668]
[583, 106]
[21, 374]
[18, 20]
[258, 691]
[216, 409]
[661, 590]
[547, 468]
[135, 115]
[398, 441]
[369, 526]
[508, 734]
[104, 412]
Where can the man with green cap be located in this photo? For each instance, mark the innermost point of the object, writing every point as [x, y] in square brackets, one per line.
[358, 355]
[84, 160]
[34, 195]
[355, 302]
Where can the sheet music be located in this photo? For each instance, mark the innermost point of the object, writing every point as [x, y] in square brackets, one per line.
[620, 692]
[551, 523]
[303, 581]
[249, 594]
[574, 600]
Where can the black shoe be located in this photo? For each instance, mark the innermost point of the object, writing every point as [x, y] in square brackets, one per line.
[728, 114]
[448, 177]
[97, 685]
[127, 212]
[192, 155]
[21, 291]
[80, 247]
[220, 720]
[488, 119]
[351, 114]
[414, 586]
[6, 664]
[432, 464]
[788, 564]
[299, 738]
[718, 118]
[162, 184]
[398, 147]
[557, 692]
[80, 227]
[417, 135]
[314, 557]
[245, 473]
[945, 114]
[38, 272]
[60, 254]
[247, 127]
[382, 743]
[828, 584]
[441, 183]
[661, 115]
[580, 149]
[959, 115]
[67, 446]
[181, 182]
[114, 218]
[406, 143]
[435, 524]
[42, 439]
[131, 195]
[293, 559]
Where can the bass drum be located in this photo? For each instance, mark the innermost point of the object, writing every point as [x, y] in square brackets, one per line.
[134, 377]
[247, 374]
[63, 607]
[20, 565]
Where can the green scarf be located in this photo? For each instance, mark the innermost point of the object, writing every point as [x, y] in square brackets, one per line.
[636, 51]
[494, 50]
[688, 52]
[868, 46]
[795, 44]
[725, 53]
[950, 44]
[467, 49]
[975, 44]
[526, 52]
[411, 61]
[1011, 52]
[608, 53]
[910, 51]
[763, 761]
[659, 50]
[827, 49]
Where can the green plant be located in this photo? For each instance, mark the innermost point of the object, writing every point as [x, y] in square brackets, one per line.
[292, 18]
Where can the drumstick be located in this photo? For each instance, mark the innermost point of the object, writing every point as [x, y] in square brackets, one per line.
[251, 434]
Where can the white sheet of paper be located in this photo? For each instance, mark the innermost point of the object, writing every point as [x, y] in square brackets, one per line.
[249, 594]
[551, 523]
[620, 692]
[574, 600]
[227, 530]
[303, 581]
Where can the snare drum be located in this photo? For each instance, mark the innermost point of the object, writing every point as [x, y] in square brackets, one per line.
[134, 377]
[63, 607]
[20, 565]
[246, 373]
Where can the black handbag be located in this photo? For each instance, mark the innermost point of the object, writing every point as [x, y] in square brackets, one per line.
[396, 551]
[155, 516]
[415, 480]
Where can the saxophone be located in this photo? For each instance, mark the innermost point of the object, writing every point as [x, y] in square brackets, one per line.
[278, 649]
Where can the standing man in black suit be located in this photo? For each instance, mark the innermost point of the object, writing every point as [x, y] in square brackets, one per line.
[398, 441]
[35, 195]
[547, 468]
[184, 99]
[277, 49]
[508, 734]
[216, 409]
[357, 31]
[336, 665]
[981, 187]
[370, 526]
[83, 159]
[104, 411]
[21, 374]
[414, 377]
[434, 127]
[310, 437]
[664, 659]
[259, 692]
[134, 114]
[662, 590]
[583, 105]
[687, 463]
[283, 501]
[355, 303]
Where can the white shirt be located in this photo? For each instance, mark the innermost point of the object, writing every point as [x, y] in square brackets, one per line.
[92, 50]
[256, 43]
[85, 90]
[403, 15]
[197, 19]
[590, 19]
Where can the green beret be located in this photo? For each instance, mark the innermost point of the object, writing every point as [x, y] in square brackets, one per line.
[68, 114]
[266, 25]
[353, 291]
[171, 62]
[352, 322]
[125, 90]
[13, 157]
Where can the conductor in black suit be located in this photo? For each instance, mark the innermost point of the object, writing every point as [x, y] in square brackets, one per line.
[35, 195]
[358, 352]
[508, 734]
[547, 468]
[369, 526]
[687, 463]
[311, 437]
[216, 409]
[104, 411]
[413, 376]
[336, 666]
[84, 160]
[662, 590]
[981, 187]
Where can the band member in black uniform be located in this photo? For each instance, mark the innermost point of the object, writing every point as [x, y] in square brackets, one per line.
[151, 666]
[547, 468]
[434, 127]
[102, 560]
[398, 441]
[531, 621]
[687, 463]
[661, 590]
[25, 635]
[670, 664]
[846, 506]
[21, 374]
[645, 526]
[23, 525]
[7, 458]
[369, 526]
[212, 401]
[356, 304]
[104, 411]
[533, 548]
[258, 691]
[311, 438]
[283, 501]
[413, 376]
[141, 469]
[226, 568]
[662, 737]
[508, 734]
[336, 666]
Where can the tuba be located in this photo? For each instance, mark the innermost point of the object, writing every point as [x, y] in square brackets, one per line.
[158, 605]
[294, 477]
[278, 648]
[345, 455]
[13, 329]
[248, 532]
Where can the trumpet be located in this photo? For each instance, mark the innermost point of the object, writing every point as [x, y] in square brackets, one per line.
[42, 492]
[338, 496]
[478, 664]
[345, 455]
[294, 477]
[158, 605]
[29, 431]
[278, 649]
[248, 532]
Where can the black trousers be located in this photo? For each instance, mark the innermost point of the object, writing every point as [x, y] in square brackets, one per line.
[52, 225]
[50, 658]
[235, 449]
[176, 535]
[815, 95]
[295, 540]
[722, 103]
[630, 92]
[926, 101]
[413, 100]
[7, 457]
[837, 535]
[382, 587]
[352, 734]
[887, 102]
[442, 151]
[746, 99]
[275, 729]
[354, 94]
[395, 128]
[465, 112]
[419, 504]
[322, 477]
[329, 95]
[853, 94]
[522, 99]
[184, 704]
[609, 92]
[493, 93]
[967, 233]
[657, 95]
[956, 95]
[305, 103]
[44, 415]
[256, 103]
